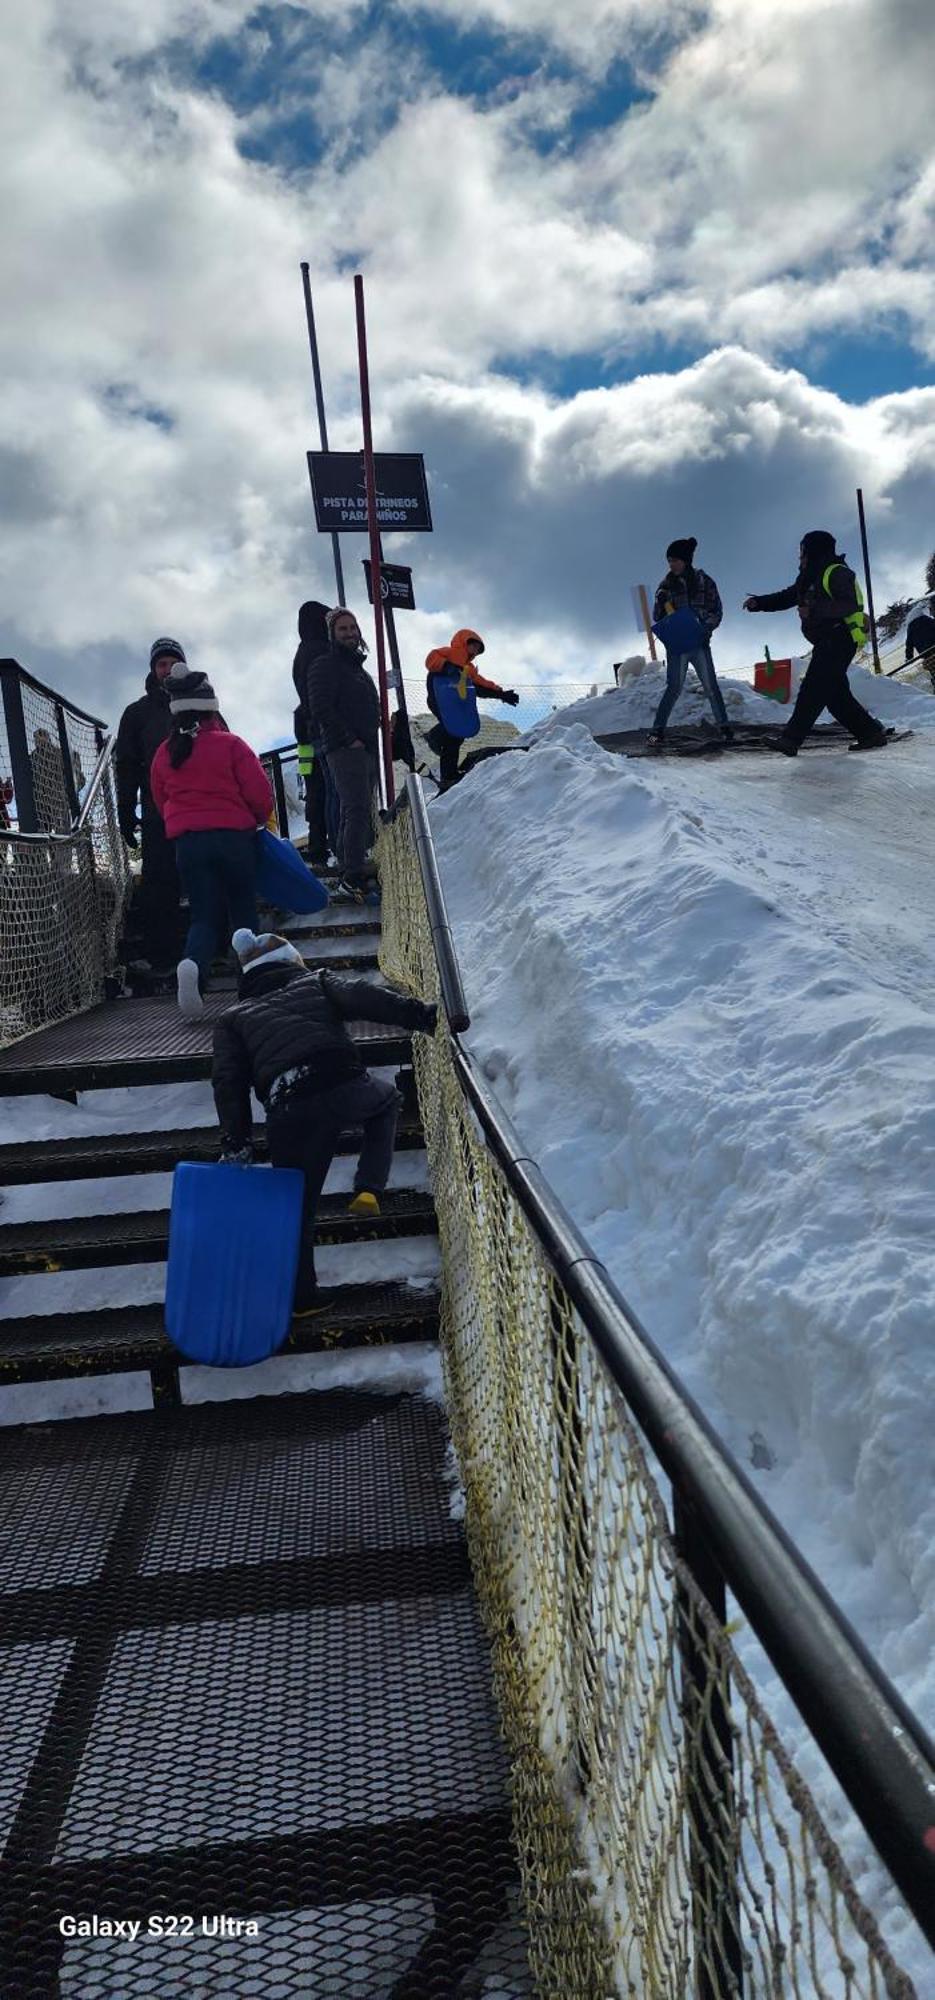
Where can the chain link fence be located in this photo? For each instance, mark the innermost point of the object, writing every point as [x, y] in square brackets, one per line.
[64, 869]
[667, 1843]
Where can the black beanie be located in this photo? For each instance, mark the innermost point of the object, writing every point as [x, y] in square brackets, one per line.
[167, 649]
[819, 546]
[683, 551]
[313, 624]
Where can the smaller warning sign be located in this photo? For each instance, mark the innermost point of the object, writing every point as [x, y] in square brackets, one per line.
[395, 585]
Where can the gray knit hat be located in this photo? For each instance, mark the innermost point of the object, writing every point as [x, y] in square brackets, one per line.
[190, 693]
[166, 649]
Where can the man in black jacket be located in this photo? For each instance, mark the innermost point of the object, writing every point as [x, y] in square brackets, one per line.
[313, 641]
[920, 639]
[344, 712]
[143, 726]
[286, 1039]
[830, 607]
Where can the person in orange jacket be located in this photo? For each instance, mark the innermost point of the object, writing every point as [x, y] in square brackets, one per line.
[461, 655]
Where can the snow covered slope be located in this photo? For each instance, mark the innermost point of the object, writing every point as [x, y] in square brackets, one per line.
[704, 992]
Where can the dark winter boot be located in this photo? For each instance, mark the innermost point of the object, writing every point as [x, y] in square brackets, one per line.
[784, 743]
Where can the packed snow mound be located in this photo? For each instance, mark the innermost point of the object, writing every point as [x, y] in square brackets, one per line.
[719, 1042]
[634, 704]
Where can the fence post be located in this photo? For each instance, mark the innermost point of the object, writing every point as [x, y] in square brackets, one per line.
[713, 1830]
[27, 818]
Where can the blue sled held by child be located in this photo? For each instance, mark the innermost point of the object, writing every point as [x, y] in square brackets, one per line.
[234, 1236]
[457, 703]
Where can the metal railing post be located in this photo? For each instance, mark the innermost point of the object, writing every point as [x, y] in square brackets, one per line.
[27, 818]
[279, 794]
[713, 1829]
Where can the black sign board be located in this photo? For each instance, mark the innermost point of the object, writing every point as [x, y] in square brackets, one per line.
[340, 494]
[395, 585]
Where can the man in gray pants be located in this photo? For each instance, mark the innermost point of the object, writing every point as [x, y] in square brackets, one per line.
[344, 714]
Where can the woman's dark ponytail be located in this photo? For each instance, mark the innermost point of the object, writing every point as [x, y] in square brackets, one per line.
[181, 741]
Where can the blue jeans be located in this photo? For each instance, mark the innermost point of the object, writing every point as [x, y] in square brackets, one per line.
[677, 665]
[218, 871]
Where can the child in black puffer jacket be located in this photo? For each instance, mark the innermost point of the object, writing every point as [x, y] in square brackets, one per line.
[286, 1039]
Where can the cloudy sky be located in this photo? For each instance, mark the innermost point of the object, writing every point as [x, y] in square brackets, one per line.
[634, 270]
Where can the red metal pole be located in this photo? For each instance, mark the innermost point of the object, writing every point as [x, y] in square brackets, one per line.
[375, 549]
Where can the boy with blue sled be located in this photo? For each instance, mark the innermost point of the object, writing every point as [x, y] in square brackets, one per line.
[686, 612]
[453, 684]
[286, 1039]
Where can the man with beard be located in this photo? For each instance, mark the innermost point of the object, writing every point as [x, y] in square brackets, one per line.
[343, 709]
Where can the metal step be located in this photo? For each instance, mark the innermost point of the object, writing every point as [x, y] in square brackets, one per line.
[342, 927]
[47, 1346]
[128, 1043]
[39, 1160]
[87, 1243]
[251, 1679]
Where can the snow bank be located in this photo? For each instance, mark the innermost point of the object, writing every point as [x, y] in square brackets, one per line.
[736, 1101]
[633, 706]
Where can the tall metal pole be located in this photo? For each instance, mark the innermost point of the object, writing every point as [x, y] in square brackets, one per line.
[863, 542]
[322, 425]
[376, 564]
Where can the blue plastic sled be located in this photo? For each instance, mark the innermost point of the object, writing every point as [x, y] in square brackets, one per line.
[456, 712]
[234, 1236]
[680, 631]
[283, 879]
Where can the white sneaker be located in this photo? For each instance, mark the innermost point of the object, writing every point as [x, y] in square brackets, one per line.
[190, 999]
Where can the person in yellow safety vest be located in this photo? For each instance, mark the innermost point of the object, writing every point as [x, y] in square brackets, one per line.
[831, 612]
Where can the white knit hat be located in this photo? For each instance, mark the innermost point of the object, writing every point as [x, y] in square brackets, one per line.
[190, 693]
[264, 948]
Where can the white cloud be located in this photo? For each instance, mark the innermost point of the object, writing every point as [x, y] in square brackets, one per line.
[154, 271]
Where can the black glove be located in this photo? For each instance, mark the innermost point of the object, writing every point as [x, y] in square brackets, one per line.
[430, 1012]
[511, 697]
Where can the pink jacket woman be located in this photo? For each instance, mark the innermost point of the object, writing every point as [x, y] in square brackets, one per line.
[213, 795]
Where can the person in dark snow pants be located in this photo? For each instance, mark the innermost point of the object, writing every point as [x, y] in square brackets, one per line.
[321, 802]
[686, 586]
[287, 1040]
[144, 725]
[827, 595]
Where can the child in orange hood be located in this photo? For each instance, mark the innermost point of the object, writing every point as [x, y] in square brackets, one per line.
[461, 653]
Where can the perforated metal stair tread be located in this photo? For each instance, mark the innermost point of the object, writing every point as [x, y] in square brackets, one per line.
[258, 1686]
[147, 1152]
[44, 1345]
[134, 1042]
[142, 1236]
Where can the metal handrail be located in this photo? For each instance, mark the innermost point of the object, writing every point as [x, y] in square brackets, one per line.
[95, 782]
[90, 797]
[449, 971]
[878, 1750]
[61, 700]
